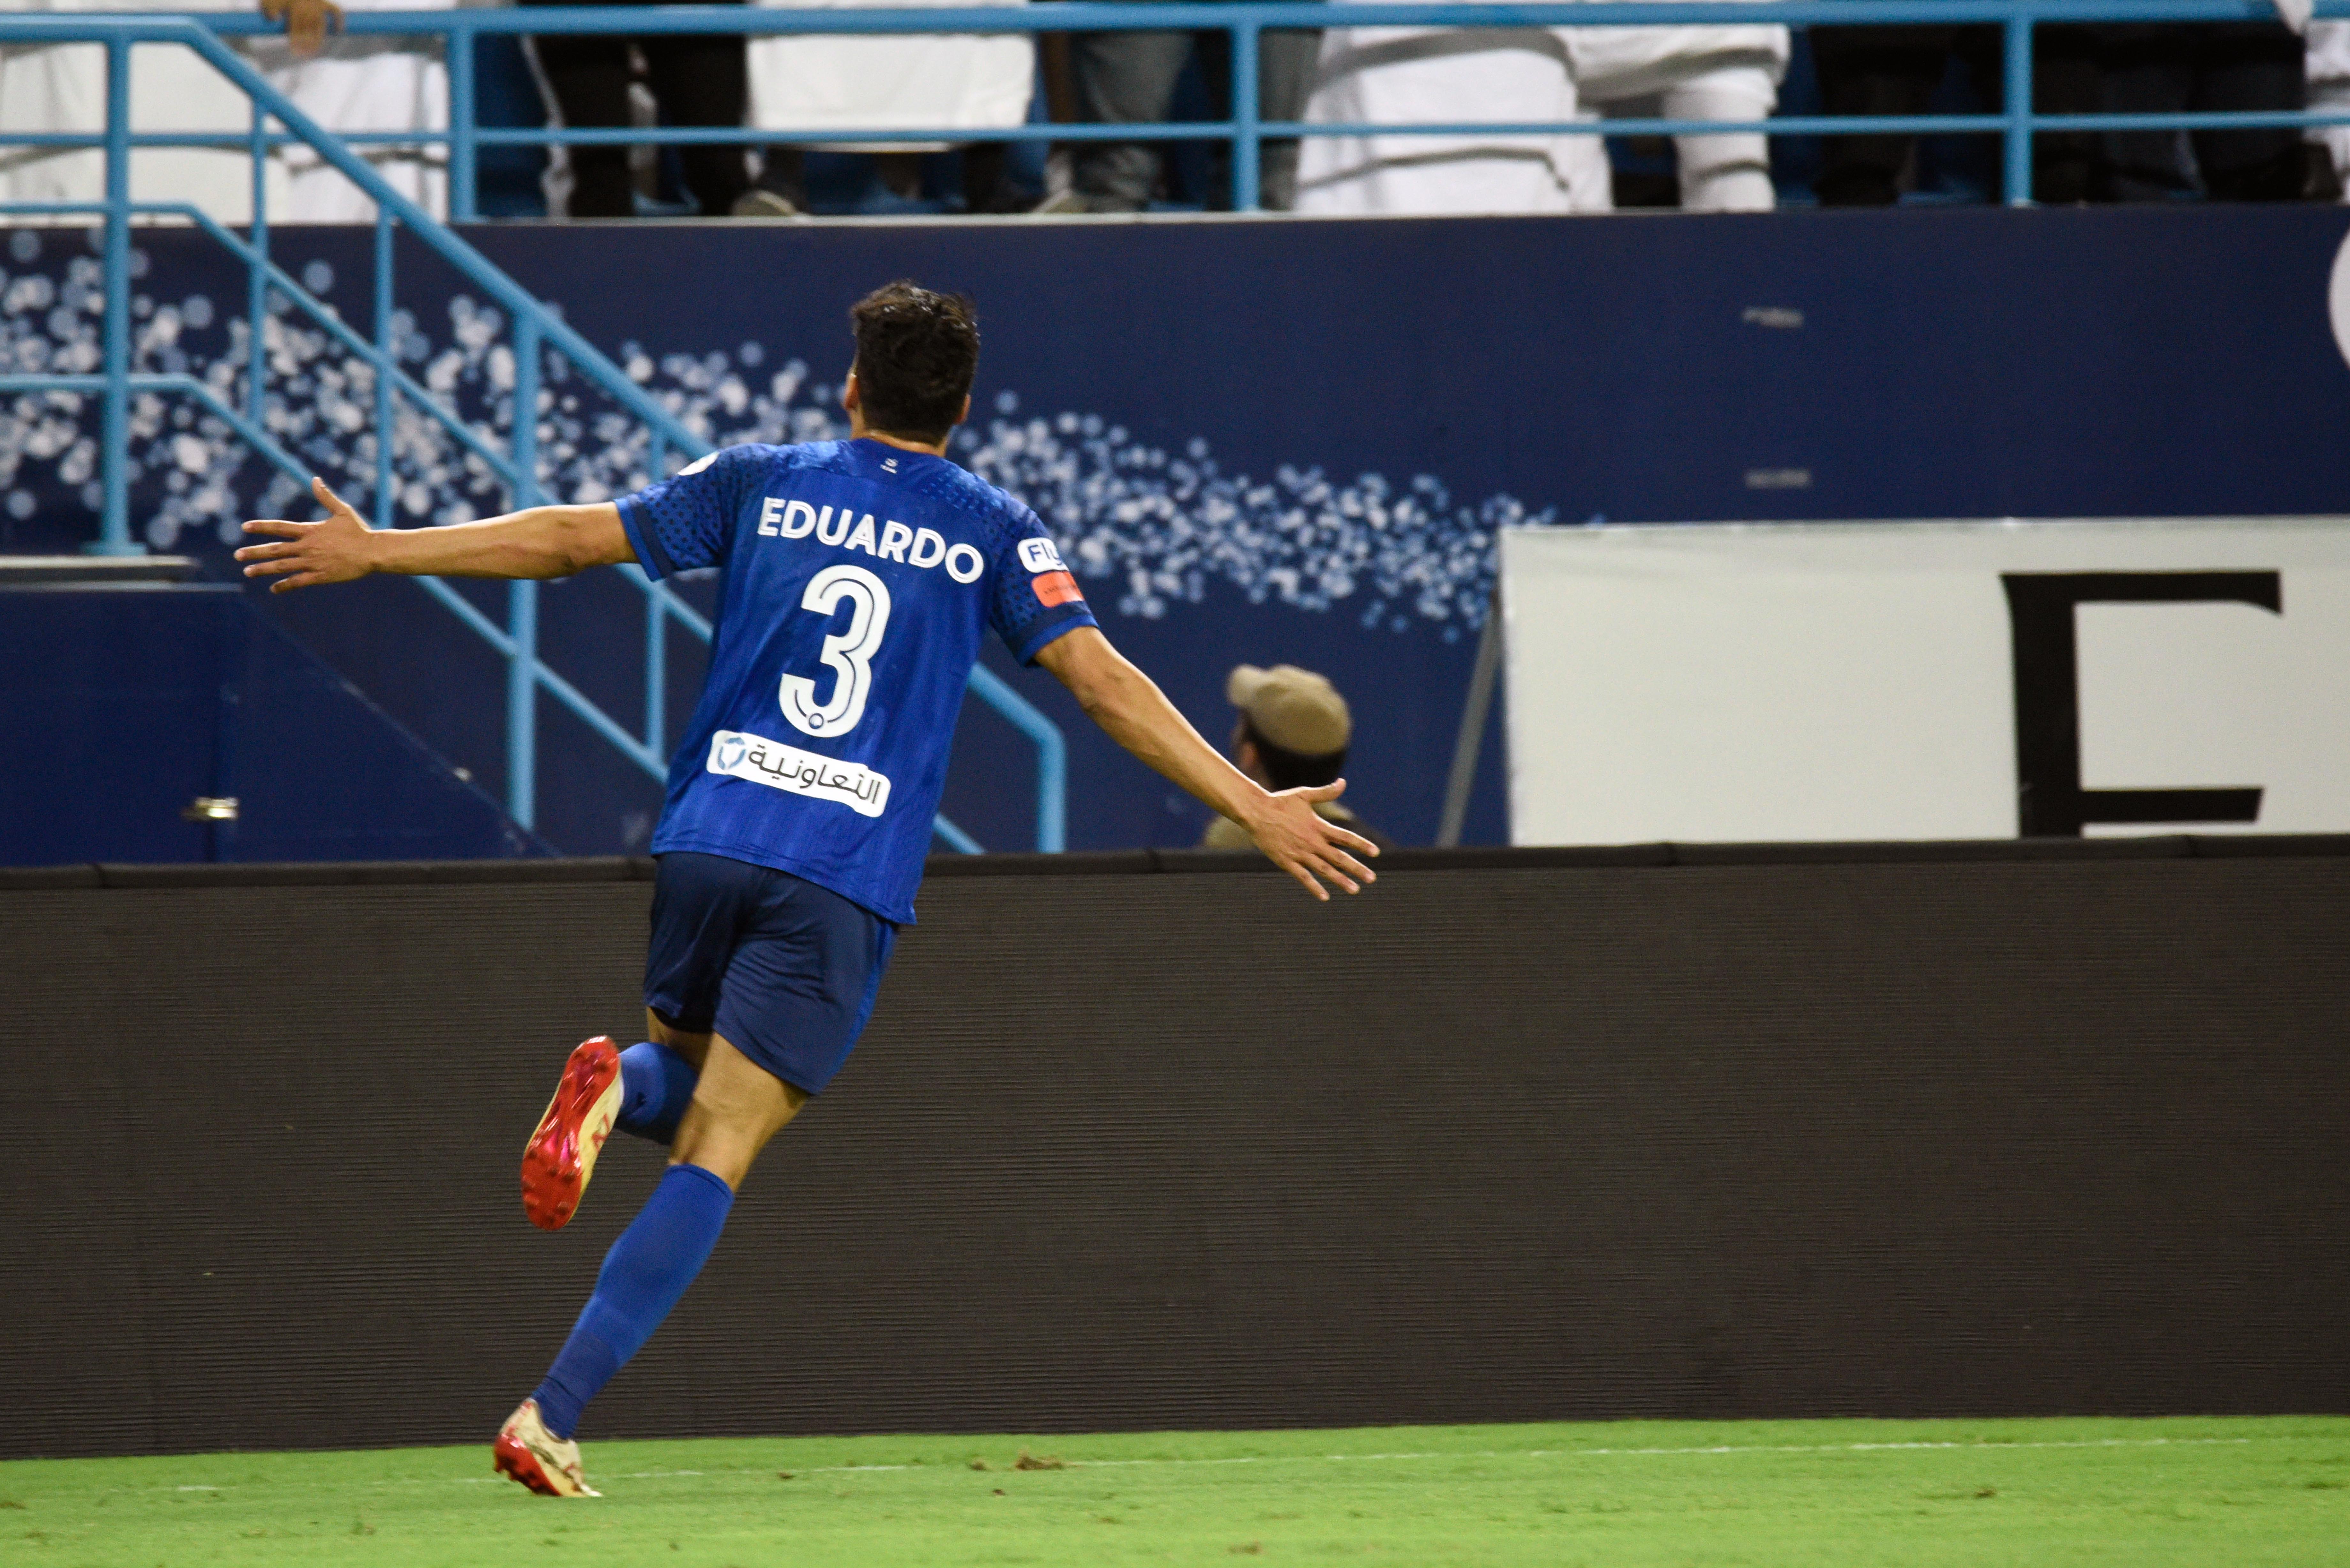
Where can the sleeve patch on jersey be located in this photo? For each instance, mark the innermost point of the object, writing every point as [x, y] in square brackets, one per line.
[1039, 556]
[1056, 588]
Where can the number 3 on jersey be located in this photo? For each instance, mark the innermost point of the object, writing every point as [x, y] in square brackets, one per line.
[849, 653]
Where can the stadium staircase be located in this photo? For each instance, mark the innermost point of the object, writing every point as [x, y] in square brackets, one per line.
[502, 440]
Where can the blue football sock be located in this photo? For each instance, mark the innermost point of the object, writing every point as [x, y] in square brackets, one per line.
[644, 1273]
[656, 1085]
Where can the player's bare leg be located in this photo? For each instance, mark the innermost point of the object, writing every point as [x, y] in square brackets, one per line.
[737, 1107]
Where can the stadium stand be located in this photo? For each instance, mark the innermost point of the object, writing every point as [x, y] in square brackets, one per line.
[1867, 678]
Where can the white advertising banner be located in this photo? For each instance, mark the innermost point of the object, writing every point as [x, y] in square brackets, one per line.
[1920, 681]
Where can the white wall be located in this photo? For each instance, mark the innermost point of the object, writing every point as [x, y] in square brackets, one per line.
[1854, 681]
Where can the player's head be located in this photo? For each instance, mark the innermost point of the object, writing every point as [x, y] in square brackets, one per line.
[916, 353]
[1294, 726]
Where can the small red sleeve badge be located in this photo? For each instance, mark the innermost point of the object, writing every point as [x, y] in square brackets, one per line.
[1056, 588]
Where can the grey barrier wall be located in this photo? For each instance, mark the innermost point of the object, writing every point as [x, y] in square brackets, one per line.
[1906, 1131]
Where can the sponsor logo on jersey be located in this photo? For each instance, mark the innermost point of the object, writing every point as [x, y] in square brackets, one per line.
[1056, 588]
[787, 768]
[1040, 555]
[893, 541]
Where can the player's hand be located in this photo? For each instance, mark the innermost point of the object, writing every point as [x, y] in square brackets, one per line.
[334, 550]
[307, 23]
[1296, 838]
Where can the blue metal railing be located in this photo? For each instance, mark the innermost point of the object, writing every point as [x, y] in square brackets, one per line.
[2016, 123]
[537, 331]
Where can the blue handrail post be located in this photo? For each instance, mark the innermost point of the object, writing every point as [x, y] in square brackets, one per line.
[1245, 117]
[522, 702]
[383, 371]
[656, 622]
[463, 205]
[2018, 137]
[959, 841]
[522, 595]
[256, 282]
[1052, 791]
[114, 525]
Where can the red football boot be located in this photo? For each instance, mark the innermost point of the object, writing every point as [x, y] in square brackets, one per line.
[561, 1155]
[535, 1457]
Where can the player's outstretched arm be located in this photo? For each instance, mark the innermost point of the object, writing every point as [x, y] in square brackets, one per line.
[542, 541]
[1129, 704]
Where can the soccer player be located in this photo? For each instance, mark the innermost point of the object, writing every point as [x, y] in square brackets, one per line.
[859, 576]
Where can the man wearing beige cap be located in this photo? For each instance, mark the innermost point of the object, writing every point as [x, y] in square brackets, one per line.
[1292, 734]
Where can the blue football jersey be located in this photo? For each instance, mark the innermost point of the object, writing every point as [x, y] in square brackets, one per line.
[859, 579]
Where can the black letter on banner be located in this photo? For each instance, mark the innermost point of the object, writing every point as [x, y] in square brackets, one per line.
[2049, 799]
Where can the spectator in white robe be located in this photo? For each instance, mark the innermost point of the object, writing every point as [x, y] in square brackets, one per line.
[372, 82]
[1692, 73]
[1506, 76]
[817, 81]
[62, 87]
[1447, 76]
[346, 84]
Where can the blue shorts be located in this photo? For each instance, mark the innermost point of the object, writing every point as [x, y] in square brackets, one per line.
[785, 970]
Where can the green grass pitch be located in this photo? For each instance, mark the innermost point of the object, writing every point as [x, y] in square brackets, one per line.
[2240, 1492]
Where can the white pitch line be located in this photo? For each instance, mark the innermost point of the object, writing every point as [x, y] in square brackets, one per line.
[1942, 1446]
[1581, 1453]
[1717, 1449]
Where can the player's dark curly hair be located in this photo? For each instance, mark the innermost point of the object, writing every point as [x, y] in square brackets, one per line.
[916, 354]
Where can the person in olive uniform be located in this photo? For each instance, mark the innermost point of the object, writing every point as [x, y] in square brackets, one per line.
[1293, 732]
